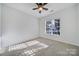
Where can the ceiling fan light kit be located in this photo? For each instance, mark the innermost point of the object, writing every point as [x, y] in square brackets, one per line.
[40, 7]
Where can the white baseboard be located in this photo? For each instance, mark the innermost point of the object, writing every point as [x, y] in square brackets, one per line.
[64, 41]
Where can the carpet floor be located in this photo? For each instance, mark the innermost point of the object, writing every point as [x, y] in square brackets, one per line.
[42, 47]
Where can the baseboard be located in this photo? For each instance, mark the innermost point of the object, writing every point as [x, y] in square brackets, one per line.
[63, 41]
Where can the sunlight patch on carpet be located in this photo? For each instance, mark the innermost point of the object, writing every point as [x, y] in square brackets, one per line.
[36, 48]
[35, 45]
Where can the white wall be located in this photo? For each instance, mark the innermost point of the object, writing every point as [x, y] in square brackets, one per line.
[68, 25]
[17, 26]
[0, 25]
[78, 22]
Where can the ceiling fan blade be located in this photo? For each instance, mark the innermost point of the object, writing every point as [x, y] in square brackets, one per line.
[37, 3]
[45, 9]
[41, 4]
[34, 8]
[44, 4]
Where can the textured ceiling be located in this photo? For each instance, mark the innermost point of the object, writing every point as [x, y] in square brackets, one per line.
[27, 8]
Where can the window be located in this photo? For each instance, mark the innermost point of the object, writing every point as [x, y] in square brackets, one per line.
[53, 27]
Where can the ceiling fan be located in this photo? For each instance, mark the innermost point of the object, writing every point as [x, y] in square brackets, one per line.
[40, 7]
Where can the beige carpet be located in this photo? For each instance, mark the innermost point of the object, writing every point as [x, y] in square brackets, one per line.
[42, 47]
